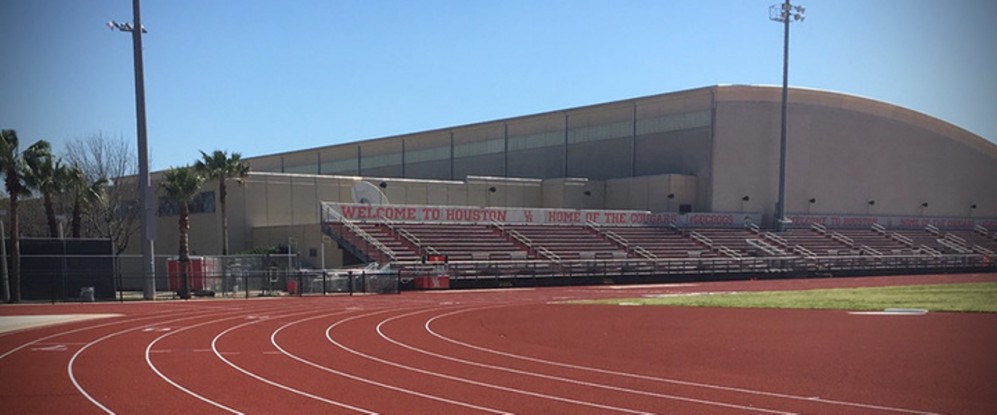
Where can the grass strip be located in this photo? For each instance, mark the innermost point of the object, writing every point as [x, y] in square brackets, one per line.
[967, 297]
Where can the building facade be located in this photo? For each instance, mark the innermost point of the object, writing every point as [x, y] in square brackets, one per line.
[713, 149]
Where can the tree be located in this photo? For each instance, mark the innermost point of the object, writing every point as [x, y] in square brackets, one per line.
[181, 184]
[116, 216]
[85, 195]
[220, 166]
[14, 164]
[46, 174]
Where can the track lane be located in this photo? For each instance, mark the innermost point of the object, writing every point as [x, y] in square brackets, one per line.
[607, 389]
[114, 387]
[358, 336]
[780, 390]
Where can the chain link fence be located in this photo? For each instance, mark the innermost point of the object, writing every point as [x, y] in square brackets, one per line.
[59, 277]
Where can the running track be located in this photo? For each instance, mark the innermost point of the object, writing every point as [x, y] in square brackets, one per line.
[501, 351]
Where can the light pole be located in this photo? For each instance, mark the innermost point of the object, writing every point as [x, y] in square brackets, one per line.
[784, 13]
[145, 183]
[3, 257]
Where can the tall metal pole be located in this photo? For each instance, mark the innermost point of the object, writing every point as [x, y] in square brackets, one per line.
[3, 261]
[780, 214]
[144, 182]
[784, 13]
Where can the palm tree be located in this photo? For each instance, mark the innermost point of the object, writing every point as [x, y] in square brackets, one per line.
[84, 193]
[181, 184]
[14, 164]
[46, 174]
[221, 167]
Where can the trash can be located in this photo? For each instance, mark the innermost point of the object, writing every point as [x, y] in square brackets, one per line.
[86, 294]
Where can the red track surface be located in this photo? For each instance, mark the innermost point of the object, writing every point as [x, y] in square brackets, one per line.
[502, 351]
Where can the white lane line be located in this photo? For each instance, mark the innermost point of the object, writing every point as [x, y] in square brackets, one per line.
[892, 312]
[214, 346]
[568, 380]
[149, 350]
[72, 360]
[328, 336]
[481, 290]
[273, 340]
[661, 379]
[73, 331]
[646, 286]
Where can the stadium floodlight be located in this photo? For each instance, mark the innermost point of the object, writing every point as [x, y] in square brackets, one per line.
[784, 13]
[148, 225]
[124, 27]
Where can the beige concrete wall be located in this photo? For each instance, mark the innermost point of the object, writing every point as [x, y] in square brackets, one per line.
[574, 193]
[708, 147]
[844, 152]
[651, 193]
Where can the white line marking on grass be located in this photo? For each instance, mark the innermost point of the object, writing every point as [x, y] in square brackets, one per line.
[892, 312]
[482, 290]
[646, 286]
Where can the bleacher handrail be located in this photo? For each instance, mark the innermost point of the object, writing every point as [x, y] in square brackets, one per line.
[957, 239]
[902, 239]
[932, 229]
[819, 228]
[982, 250]
[613, 236]
[806, 253]
[930, 251]
[366, 237]
[765, 247]
[962, 249]
[639, 250]
[423, 248]
[729, 252]
[837, 236]
[980, 229]
[778, 239]
[880, 229]
[866, 249]
[546, 253]
[698, 237]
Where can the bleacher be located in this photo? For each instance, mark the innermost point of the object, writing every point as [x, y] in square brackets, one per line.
[734, 239]
[491, 250]
[570, 242]
[662, 242]
[465, 242]
[877, 241]
[403, 251]
[819, 243]
[926, 238]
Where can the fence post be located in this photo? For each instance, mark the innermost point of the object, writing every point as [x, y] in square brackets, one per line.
[349, 275]
[245, 282]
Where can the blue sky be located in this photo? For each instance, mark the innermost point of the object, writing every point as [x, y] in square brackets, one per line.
[260, 77]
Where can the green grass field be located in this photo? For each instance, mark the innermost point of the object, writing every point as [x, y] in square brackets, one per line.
[971, 297]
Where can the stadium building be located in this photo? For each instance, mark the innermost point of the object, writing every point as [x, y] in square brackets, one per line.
[703, 158]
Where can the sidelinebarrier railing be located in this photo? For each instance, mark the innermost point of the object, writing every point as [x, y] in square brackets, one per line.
[717, 266]
[281, 275]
